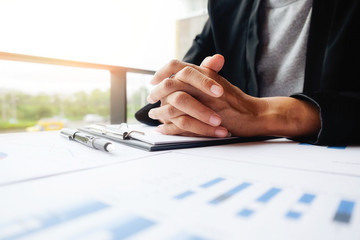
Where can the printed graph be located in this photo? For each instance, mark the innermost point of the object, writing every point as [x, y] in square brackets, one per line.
[218, 192]
[343, 213]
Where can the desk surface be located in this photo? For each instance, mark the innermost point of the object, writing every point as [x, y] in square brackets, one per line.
[52, 188]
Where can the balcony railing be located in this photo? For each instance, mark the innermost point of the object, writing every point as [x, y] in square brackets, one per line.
[118, 100]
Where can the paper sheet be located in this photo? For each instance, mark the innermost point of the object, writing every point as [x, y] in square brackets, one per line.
[178, 195]
[33, 155]
[283, 153]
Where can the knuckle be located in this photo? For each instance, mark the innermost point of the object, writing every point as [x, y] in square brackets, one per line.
[169, 84]
[174, 63]
[186, 71]
[183, 122]
[171, 111]
[205, 82]
[180, 99]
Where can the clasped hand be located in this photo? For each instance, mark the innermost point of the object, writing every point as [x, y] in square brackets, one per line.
[196, 100]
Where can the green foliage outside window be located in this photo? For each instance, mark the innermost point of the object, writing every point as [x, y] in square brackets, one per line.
[20, 110]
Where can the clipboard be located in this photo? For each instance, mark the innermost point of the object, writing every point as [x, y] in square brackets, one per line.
[147, 138]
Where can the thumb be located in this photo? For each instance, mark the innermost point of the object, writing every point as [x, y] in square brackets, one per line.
[215, 62]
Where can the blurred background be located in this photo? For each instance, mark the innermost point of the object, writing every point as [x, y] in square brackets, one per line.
[142, 34]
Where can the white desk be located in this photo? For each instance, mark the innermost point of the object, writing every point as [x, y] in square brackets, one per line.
[52, 188]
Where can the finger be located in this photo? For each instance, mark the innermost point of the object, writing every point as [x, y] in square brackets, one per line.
[200, 81]
[190, 106]
[167, 87]
[170, 129]
[165, 112]
[168, 70]
[189, 124]
[192, 79]
[214, 63]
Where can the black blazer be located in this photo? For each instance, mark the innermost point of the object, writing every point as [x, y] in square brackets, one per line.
[332, 72]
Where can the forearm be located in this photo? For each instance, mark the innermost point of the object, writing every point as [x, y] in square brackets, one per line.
[290, 117]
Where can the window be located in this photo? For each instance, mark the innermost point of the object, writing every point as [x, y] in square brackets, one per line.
[140, 34]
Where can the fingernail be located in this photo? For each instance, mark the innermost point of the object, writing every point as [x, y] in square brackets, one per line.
[221, 133]
[216, 90]
[149, 99]
[215, 120]
[205, 61]
[160, 128]
[151, 114]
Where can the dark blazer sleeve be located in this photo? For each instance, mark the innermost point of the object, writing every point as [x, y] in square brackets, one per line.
[142, 115]
[340, 117]
[332, 76]
[202, 47]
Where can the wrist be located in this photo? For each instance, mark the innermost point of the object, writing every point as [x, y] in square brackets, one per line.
[290, 117]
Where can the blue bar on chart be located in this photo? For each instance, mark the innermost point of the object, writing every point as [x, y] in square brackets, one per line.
[208, 184]
[229, 193]
[212, 182]
[131, 227]
[293, 214]
[245, 212]
[344, 211]
[305, 200]
[266, 197]
[184, 195]
[51, 219]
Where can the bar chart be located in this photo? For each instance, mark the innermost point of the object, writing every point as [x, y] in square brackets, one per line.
[187, 201]
[342, 215]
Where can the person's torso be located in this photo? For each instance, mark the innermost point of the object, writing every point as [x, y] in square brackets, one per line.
[283, 33]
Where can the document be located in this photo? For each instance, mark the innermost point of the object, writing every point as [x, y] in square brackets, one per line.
[176, 195]
[147, 138]
[287, 154]
[26, 156]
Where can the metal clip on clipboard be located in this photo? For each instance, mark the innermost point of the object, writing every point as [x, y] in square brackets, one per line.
[111, 131]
